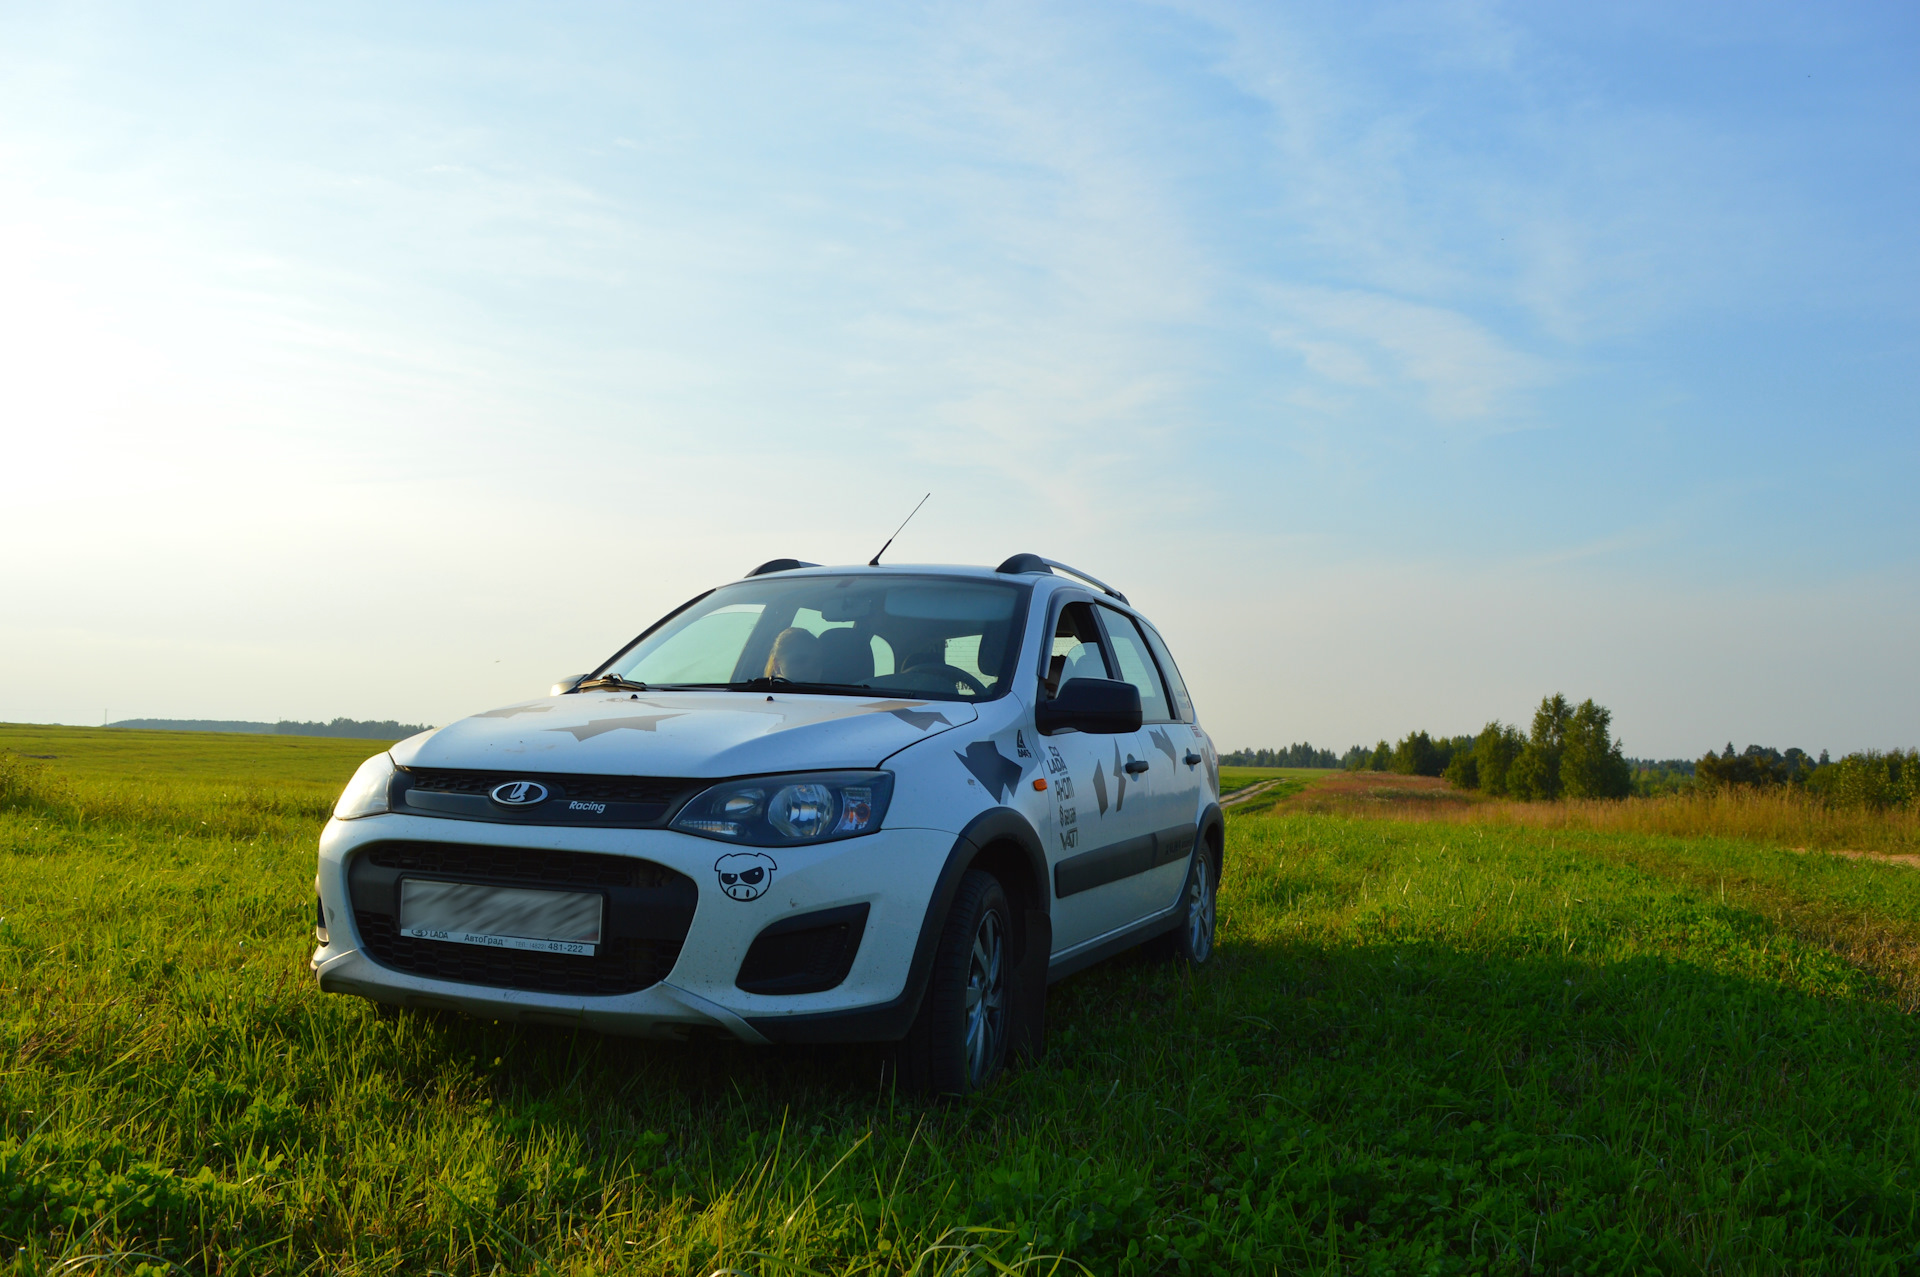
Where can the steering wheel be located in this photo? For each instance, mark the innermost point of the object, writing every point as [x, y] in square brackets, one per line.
[940, 669]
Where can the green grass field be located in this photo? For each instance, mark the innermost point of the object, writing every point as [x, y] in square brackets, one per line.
[1424, 1047]
[222, 757]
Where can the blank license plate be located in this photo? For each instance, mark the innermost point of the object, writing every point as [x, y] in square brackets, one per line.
[500, 917]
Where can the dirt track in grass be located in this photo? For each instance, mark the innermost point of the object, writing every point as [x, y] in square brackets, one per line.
[1377, 793]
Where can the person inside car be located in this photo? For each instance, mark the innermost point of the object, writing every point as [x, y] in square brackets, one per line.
[795, 656]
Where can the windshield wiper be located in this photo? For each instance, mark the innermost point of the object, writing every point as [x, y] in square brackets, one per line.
[778, 684]
[617, 682]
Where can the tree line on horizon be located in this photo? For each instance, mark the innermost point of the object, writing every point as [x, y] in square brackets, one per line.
[1867, 778]
[1302, 755]
[359, 729]
[1570, 752]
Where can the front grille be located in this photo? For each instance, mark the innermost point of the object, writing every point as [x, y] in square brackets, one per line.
[808, 954]
[648, 911]
[604, 802]
[650, 790]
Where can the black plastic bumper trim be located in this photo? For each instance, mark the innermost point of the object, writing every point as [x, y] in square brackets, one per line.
[804, 953]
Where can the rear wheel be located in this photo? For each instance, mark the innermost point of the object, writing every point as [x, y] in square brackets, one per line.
[958, 1042]
[1192, 941]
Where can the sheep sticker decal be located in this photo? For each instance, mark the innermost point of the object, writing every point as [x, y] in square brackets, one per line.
[745, 875]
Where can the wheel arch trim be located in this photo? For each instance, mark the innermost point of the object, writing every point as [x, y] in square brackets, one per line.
[1213, 834]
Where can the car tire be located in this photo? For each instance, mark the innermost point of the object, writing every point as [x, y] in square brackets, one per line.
[1191, 943]
[958, 1042]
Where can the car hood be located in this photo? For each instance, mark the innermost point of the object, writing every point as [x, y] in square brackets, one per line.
[685, 734]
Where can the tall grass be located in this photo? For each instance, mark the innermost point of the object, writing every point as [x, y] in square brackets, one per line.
[1781, 818]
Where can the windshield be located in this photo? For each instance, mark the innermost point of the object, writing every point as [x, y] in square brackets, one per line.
[924, 636]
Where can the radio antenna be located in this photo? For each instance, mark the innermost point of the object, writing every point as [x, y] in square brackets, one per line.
[874, 562]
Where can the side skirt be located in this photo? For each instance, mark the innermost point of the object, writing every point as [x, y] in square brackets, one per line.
[1100, 948]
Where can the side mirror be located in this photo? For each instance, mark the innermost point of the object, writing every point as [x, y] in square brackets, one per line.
[566, 685]
[1101, 706]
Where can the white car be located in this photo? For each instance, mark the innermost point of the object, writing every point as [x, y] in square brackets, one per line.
[884, 804]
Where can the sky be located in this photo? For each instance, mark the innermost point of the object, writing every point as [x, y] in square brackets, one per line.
[1405, 363]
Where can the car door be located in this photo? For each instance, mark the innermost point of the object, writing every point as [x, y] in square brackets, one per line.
[1171, 785]
[1101, 837]
[1197, 757]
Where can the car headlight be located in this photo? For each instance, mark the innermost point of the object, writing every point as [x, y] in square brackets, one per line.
[366, 793]
[782, 811]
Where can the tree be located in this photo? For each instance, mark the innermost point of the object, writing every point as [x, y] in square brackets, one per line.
[1493, 753]
[1591, 765]
[1416, 756]
[1535, 775]
[1382, 758]
[1463, 770]
[1550, 722]
[1536, 772]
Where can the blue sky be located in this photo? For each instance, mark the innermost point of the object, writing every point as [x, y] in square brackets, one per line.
[1407, 363]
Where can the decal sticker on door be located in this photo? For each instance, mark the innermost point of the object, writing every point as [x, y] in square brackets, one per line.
[993, 769]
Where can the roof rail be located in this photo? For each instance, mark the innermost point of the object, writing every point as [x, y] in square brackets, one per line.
[780, 565]
[1020, 564]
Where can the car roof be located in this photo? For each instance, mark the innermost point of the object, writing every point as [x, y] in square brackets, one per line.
[891, 569]
[1041, 574]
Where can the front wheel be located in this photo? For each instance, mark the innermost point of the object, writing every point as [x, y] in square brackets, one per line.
[958, 1042]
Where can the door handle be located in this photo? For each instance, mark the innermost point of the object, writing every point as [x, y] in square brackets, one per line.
[1192, 759]
[1135, 766]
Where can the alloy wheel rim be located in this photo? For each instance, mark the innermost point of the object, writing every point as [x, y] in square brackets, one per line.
[986, 996]
[1200, 911]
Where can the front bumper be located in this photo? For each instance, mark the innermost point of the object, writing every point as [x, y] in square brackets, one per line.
[894, 872]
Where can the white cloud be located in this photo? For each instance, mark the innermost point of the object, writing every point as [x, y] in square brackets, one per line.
[1463, 372]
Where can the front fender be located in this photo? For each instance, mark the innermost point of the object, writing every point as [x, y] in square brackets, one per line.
[995, 828]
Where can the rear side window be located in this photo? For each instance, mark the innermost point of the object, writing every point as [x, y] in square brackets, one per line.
[1176, 686]
[1136, 664]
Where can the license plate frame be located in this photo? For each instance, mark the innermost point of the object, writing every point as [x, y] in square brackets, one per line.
[531, 919]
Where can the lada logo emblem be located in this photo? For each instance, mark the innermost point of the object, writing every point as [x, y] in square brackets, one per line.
[518, 793]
